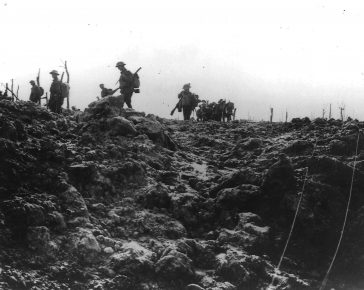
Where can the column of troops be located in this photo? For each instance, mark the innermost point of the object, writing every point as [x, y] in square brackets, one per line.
[205, 111]
[128, 84]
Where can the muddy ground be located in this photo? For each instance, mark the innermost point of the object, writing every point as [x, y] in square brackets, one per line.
[110, 199]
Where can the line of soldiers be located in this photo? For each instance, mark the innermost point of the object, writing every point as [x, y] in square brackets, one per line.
[189, 101]
[129, 83]
[219, 111]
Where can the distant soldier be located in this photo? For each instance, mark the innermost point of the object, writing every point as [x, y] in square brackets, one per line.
[126, 83]
[105, 92]
[229, 111]
[201, 113]
[188, 101]
[35, 93]
[56, 99]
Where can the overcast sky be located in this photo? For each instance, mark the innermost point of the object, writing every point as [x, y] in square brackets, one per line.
[294, 55]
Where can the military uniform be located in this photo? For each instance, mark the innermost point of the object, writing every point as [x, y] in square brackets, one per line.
[105, 92]
[35, 93]
[188, 101]
[126, 84]
[56, 99]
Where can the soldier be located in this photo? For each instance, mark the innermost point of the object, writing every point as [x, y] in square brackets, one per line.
[229, 111]
[188, 100]
[56, 98]
[35, 93]
[126, 83]
[105, 92]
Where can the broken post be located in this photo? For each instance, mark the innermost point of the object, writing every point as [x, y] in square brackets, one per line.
[271, 115]
[38, 84]
[330, 112]
[12, 89]
[341, 113]
[286, 116]
[68, 82]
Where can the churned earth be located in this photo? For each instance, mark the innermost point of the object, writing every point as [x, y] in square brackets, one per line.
[117, 199]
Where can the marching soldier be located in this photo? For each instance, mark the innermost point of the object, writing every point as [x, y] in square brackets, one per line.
[126, 83]
[188, 101]
[56, 98]
[35, 93]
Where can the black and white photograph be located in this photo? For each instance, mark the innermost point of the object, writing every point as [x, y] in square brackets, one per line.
[181, 145]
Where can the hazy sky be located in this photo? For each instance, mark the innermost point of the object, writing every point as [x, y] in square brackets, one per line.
[294, 55]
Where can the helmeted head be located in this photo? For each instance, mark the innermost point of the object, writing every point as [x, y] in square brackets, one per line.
[186, 87]
[32, 82]
[54, 72]
[120, 65]
[102, 86]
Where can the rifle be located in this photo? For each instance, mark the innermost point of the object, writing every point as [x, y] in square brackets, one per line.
[177, 106]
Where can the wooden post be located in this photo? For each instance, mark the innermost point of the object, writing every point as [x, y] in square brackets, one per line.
[12, 89]
[68, 82]
[341, 113]
[271, 115]
[286, 116]
[323, 113]
[330, 112]
[17, 93]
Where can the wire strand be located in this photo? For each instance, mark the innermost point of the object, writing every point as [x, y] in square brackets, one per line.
[324, 281]
[294, 221]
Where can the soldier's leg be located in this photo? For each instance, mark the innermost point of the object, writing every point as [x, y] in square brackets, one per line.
[184, 109]
[58, 105]
[128, 99]
[51, 104]
[188, 113]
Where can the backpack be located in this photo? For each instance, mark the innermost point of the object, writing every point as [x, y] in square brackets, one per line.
[136, 81]
[65, 89]
[41, 91]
